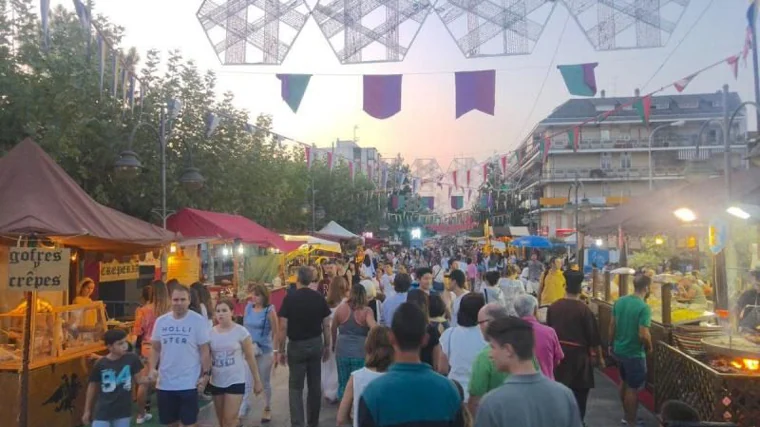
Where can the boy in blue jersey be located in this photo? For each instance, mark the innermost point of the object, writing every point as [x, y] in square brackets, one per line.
[410, 393]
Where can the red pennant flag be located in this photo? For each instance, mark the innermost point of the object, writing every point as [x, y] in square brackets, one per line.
[747, 45]
[485, 172]
[307, 154]
[468, 178]
[681, 84]
[504, 164]
[733, 62]
[574, 138]
[547, 147]
[330, 161]
[454, 178]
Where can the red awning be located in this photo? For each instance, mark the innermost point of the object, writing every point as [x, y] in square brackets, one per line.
[197, 223]
[37, 196]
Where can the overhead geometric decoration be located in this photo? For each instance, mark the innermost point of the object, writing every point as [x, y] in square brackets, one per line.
[495, 27]
[362, 31]
[252, 31]
[624, 24]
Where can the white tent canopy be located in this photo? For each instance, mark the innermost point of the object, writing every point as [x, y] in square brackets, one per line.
[313, 241]
[333, 229]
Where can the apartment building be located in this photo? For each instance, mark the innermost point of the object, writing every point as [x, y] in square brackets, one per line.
[614, 160]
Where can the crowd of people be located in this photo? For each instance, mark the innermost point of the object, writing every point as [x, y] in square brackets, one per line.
[463, 340]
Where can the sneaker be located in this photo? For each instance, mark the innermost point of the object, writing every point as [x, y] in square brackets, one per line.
[144, 419]
[266, 416]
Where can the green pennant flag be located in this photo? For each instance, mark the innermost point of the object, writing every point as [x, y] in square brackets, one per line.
[574, 138]
[644, 107]
[292, 88]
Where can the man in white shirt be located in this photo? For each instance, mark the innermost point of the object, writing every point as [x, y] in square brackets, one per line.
[181, 342]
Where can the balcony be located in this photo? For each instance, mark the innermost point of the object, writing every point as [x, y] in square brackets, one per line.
[634, 144]
[618, 174]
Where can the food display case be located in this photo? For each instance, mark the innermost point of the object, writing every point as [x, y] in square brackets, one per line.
[57, 334]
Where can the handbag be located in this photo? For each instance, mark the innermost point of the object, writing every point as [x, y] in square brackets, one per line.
[257, 351]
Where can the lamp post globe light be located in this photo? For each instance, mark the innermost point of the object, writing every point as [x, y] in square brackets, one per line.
[128, 164]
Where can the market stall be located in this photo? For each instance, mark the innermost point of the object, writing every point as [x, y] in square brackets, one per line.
[710, 251]
[47, 225]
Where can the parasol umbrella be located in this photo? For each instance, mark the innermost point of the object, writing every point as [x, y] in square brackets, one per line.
[623, 270]
[532, 242]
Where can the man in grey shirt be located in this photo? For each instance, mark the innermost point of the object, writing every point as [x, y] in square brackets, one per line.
[527, 398]
[535, 268]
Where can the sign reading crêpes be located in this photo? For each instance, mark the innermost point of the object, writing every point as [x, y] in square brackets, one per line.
[115, 271]
[37, 269]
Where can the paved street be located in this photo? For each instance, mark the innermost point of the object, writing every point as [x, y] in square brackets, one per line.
[604, 407]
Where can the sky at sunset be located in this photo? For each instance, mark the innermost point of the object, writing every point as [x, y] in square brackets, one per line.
[426, 126]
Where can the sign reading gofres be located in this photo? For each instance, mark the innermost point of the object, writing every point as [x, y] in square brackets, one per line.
[37, 269]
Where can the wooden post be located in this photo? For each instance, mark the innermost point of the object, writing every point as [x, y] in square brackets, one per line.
[607, 293]
[666, 297]
[622, 285]
[594, 282]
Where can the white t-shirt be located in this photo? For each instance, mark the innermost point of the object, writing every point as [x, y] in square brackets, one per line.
[228, 363]
[455, 308]
[387, 284]
[362, 378]
[180, 360]
[461, 346]
[511, 289]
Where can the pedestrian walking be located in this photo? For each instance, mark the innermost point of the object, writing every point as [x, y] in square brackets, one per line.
[304, 320]
[181, 341]
[548, 351]
[527, 398]
[232, 353]
[461, 344]
[410, 393]
[109, 393]
[350, 326]
[260, 319]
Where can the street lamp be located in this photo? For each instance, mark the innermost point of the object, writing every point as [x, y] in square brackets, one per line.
[128, 165]
[651, 139]
[584, 205]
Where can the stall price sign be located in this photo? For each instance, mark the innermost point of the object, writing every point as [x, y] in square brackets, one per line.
[116, 271]
[717, 235]
[38, 269]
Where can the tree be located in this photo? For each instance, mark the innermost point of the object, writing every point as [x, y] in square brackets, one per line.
[505, 201]
[55, 97]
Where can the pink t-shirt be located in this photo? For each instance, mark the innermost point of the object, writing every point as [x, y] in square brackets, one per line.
[472, 271]
[548, 351]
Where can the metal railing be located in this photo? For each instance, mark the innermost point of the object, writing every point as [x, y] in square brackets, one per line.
[586, 173]
[621, 144]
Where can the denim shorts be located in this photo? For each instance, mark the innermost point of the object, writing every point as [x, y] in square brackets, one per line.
[178, 405]
[633, 370]
[121, 422]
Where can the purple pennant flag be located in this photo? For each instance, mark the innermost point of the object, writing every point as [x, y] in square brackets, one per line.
[382, 95]
[475, 90]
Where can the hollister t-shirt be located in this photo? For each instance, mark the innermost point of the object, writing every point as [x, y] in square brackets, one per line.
[115, 379]
[180, 339]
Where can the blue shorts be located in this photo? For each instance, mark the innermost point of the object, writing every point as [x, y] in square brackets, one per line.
[121, 422]
[633, 371]
[178, 405]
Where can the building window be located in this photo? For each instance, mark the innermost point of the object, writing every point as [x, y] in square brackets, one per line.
[605, 134]
[625, 160]
[688, 105]
[605, 161]
[606, 190]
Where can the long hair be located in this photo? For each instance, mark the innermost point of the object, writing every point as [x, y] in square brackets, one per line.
[259, 289]
[204, 296]
[337, 291]
[419, 298]
[378, 349]
[358, 298]
[161, 301]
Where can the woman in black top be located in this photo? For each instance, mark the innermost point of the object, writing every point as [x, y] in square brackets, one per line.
[431, 351]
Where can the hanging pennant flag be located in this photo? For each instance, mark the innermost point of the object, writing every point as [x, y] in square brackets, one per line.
[485, 172]
[504, 164]
[546, 146]
[308, 154]
[475, 90]
[644, 107]
[467, 174]
[428, 202]
[681, 84]
[454, 179]
[45, 18]
[747, 44]
[212, 122]
[457, 202]
[469, 194]
[579, 78]
[116, 72]
[102, 52]
[733, 62]
[574, 138]
[292, 89]
[382, 95]
[84, 14]
[330, 161]
[351, 170]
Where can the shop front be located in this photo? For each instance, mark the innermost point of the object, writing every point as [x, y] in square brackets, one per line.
[48, 227]
[703, 256]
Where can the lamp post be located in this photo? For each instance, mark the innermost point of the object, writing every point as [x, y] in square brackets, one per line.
[573, 209]
[128, 164]
[306, 208]
[651, 139]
